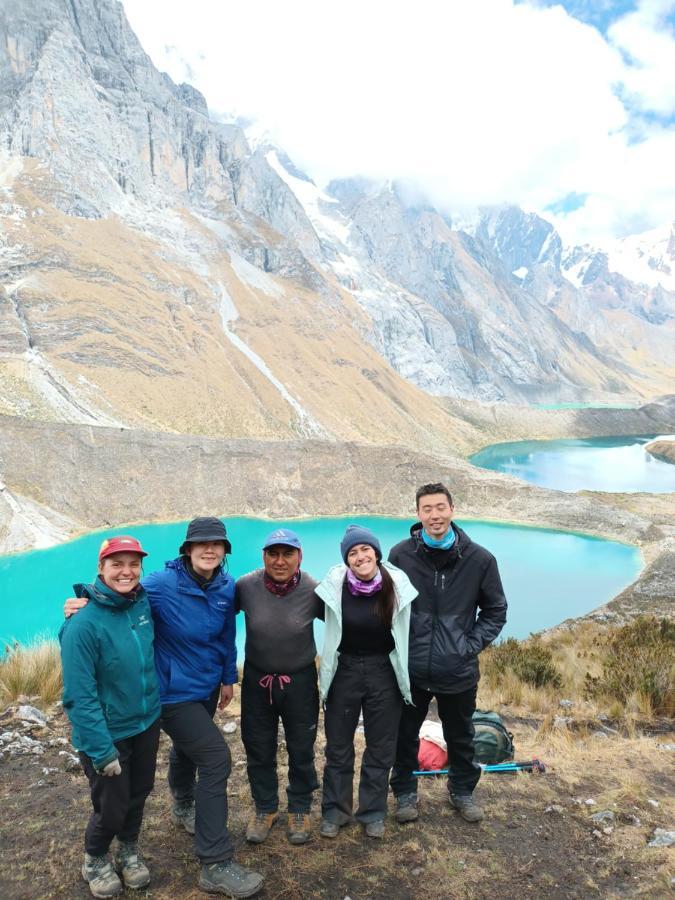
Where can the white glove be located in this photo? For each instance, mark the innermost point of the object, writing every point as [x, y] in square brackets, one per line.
[113, 768]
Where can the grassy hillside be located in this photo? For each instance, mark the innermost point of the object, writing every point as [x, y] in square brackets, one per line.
[579, 698]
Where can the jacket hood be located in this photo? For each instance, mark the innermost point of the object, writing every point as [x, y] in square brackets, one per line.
[100, 593]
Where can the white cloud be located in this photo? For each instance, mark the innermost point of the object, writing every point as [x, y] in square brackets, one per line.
[478, 101]
[647, 39]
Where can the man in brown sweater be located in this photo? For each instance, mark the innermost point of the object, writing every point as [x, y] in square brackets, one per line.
[280, 682]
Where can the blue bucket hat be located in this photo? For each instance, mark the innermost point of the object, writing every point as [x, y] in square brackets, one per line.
[283, 536]
[357, 534]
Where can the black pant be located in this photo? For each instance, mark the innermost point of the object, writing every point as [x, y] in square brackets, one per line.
[296, 702]
[199, 749]
[119, 800]
[365, 683]
[455, 712]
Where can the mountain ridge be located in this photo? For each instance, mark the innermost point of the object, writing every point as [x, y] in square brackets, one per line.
[151, 253]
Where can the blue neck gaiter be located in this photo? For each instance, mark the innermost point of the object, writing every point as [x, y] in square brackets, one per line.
[445, 543]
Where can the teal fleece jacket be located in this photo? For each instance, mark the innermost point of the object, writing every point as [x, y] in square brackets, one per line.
[330, 591]
[110, 689]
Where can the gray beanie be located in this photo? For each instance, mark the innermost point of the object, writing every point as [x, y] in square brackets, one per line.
[357, 534]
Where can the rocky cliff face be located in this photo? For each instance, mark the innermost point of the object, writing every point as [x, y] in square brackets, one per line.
[160, 272]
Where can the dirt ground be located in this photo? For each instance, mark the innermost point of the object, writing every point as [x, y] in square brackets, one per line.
[537, 839]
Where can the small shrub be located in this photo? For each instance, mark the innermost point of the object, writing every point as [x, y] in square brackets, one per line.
[530, 661]
[33, 670]
[639, 661]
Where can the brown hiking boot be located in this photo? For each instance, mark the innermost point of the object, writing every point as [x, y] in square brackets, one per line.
[259, 827]
[299, 829]
[131, 866]
[99, 873]
[406, 808]
[467, 807]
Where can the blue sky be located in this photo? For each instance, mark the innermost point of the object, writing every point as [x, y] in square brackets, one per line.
[567, 109]
[598, 13]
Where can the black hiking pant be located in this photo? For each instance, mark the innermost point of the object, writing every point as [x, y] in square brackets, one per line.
[199, 766]
[365, 683]
[455, 712]
[119, 800]
[296, 703]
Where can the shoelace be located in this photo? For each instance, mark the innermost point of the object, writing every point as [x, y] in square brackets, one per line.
[267, 681]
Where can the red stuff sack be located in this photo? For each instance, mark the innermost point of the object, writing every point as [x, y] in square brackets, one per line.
[431, 756]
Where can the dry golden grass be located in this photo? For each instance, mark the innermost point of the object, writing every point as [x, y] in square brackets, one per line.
[577, 651]
[32, 671]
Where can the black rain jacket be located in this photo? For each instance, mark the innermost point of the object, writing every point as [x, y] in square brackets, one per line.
[460, 609]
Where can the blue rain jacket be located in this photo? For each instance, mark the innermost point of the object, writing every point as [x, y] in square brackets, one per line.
[195, 648]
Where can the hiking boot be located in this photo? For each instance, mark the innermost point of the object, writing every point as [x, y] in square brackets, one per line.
[329, 829]
[299, 828]
[129, 863]
[374, 829]
[231, 879]
[183, 813]
[467, 807]
[102, 878]
[406, 808]
[259, 827]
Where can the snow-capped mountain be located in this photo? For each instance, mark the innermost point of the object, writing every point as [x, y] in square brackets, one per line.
[151, 253]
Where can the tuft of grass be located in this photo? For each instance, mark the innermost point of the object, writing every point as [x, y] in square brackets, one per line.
[531, 661]
[638, 668]
[31, 670]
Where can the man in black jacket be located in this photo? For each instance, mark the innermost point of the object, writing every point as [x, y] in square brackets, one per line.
[460, 610]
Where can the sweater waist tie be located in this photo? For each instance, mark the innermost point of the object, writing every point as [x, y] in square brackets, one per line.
[267, 682]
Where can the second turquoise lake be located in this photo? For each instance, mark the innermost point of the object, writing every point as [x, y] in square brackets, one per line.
[614, 464]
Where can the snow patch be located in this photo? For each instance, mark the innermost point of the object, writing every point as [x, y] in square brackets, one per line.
[253, 277]
[61, 396]
[647, 258]
[310, 197]
[307, 425]
[545, 245]
[32, 525]
[10, 168]
[520, 272]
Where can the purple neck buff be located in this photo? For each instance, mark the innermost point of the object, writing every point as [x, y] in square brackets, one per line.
[356, 586]
[280, 589]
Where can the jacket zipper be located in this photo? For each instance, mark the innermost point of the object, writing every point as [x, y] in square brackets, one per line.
[140, 656]
[433, 623]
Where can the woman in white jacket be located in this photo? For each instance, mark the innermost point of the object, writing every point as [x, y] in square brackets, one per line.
[364, 669]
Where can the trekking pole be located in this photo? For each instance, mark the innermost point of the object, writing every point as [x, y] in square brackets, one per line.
[532, 765]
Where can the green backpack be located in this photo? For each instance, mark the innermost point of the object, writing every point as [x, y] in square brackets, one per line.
[492, 742]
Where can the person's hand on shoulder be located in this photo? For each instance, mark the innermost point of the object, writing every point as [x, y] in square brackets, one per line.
[72, 605]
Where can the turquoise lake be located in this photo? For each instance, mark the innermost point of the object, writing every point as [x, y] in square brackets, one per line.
[548, 575]
[614, 464]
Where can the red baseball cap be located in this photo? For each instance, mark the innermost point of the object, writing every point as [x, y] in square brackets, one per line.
[124, 543]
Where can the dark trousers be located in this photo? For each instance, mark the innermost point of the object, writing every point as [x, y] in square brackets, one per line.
[455, 712]
[296, 703]
[119, 800]
[199, 766]
[365, 683]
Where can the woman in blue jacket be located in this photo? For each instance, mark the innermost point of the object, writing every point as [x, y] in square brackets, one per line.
[192, 603]
[105, 650]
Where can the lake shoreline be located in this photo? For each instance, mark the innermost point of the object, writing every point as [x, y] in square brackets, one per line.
[57, 485]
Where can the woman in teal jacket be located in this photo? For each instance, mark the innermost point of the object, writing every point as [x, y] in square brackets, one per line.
[111, 696]
[364, 668]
